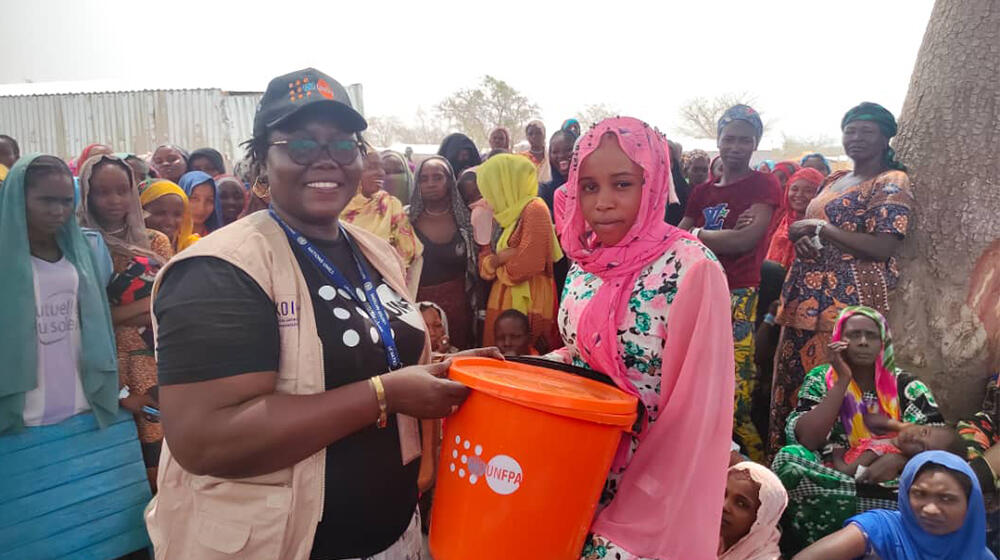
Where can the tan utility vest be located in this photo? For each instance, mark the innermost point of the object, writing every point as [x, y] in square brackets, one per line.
[273, 516]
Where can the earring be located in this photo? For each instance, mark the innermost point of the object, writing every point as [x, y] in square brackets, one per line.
[260, 188]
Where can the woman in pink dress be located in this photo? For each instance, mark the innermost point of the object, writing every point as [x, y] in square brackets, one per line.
[667, 343]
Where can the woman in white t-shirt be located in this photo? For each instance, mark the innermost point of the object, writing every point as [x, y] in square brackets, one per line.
[64, 448]
[58, 346]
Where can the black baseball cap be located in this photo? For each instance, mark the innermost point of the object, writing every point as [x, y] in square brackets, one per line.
[289, 94]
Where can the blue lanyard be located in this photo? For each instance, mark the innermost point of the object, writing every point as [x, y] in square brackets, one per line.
[371, 302]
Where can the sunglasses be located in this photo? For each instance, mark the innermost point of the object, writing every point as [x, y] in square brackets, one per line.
[306, 151]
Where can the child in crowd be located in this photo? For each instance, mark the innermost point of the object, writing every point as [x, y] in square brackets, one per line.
[437, 327]
[512, 332]
[482, 214]
[910, 440]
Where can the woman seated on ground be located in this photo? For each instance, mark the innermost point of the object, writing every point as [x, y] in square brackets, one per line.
[981, 437]
[839, 405]
[437, 329]
[754, 502]
[521, 269]
[203, 196]
[379, 212]
[166, 209]
[941, 516]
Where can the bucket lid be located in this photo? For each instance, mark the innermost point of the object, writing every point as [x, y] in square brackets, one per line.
[543, 388]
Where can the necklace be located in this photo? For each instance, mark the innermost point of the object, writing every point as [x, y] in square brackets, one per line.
[117, 231]
[437, 214]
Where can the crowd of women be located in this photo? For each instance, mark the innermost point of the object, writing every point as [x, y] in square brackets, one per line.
[281, 335]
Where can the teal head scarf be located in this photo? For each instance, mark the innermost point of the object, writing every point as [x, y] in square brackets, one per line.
[18, 354]
[881, 116]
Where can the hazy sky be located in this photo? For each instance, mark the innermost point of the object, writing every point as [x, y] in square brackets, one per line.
[806, 62]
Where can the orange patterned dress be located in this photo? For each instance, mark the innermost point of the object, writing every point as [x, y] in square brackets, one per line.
[136, 360]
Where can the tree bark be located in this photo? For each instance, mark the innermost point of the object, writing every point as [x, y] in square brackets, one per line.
[946, 310]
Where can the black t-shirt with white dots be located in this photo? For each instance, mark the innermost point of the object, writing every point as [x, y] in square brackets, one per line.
[215, 321]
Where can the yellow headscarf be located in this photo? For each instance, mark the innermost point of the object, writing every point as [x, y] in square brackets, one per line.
[3, 172]
[161, 187]
[509, 182]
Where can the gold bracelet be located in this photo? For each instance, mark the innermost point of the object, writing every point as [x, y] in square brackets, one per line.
[383, 407]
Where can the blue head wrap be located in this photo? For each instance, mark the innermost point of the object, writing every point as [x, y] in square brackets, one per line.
[743, 113]
[192, 179]
[896, 535]
[826, 162]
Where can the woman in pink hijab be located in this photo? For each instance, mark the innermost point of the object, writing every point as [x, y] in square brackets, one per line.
[667, 344]
[755, 500]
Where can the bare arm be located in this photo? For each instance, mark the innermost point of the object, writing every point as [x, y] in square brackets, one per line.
[814, 426]
[126, 314]
[738, 241]
[237, 426]
[686, 224]
[872, 246]
[846, 544]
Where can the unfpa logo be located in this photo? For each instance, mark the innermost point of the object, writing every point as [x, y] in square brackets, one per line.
[305, 88]
[503, 473]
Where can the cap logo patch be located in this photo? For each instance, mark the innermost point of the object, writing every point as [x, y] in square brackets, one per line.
[301, 89]
[324, 89]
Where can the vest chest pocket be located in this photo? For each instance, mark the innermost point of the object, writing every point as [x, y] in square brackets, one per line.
[239, 520]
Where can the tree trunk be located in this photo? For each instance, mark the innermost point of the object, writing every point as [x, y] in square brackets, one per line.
[946, 310]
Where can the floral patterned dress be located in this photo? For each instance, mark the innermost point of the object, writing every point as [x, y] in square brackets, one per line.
[641, 335]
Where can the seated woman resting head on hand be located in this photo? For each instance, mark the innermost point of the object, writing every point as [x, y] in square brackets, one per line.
[839, 405]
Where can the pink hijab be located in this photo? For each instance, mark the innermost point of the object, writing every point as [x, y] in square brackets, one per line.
[761, 543]
[618, 266]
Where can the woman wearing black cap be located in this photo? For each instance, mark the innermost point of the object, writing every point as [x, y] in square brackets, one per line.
[283, 340]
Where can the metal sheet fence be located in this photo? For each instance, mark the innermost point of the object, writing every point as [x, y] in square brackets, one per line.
[132, 121]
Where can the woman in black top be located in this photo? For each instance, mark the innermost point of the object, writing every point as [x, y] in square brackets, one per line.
[218, 346]
[450, 277]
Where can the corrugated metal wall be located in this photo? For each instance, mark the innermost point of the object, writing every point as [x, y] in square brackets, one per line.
[132, 121]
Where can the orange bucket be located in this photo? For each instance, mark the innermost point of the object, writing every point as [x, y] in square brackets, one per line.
[523, 461]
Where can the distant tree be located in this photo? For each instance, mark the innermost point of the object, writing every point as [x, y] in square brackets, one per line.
[699, 117]
[593, 114]
[384, 131]
[794, 146]
[476, 111]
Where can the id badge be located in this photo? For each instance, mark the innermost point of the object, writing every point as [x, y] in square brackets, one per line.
[409, 437]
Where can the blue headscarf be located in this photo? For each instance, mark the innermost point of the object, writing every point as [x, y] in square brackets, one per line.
[743, 113]
[18, 345]
[192, 179]
[826, 162]
[896, 535]
[770, 163]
